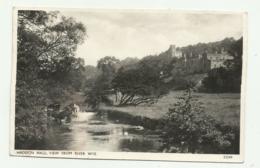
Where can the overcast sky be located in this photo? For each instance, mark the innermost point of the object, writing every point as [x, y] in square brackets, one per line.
[139, 33]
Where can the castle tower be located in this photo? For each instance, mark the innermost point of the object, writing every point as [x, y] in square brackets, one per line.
[174, 52]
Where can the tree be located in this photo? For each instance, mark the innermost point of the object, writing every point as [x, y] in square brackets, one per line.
[108, 65]
[97, 93]
[46, 45]
[218, 81]
[129, 62]
[100, 88]
[161, 64]
[138, 85]
[91, 73]
[143, 81]
[236, 50]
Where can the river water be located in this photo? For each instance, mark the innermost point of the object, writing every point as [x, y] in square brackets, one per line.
[90, 132]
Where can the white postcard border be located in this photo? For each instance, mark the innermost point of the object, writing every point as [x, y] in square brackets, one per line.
[237, 158]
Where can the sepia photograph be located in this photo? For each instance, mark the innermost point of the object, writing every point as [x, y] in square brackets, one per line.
[128, 84]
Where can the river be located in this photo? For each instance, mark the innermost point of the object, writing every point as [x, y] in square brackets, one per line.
[90, 132]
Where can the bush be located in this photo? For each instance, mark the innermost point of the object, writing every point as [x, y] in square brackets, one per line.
[30, 128]
[188, 129]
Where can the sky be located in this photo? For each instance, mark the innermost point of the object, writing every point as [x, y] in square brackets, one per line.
[138, 33]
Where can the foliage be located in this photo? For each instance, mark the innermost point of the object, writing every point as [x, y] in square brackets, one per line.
[129, 62]
[212, 47]
[108, 65]
[187, 128]
[132, 81]
[99, 89]
[236, 50]
[30, 117]
[97, 93]
[142, 84]
[221, 80]
[46, 69]
[143, 81]
[91, 73]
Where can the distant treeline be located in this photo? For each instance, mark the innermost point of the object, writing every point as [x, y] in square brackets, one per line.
[211, 47]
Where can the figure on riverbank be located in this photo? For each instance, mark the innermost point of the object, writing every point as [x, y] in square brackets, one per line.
[69, 111]
[76, 110]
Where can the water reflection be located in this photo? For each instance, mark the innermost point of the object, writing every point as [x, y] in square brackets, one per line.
[89, 132]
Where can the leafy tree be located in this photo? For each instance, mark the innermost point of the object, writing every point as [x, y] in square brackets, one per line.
[129, 62]
[46, 44]
[108, 65]
[162, 64]
[97, 93]
[134, 86]
[236, 50]
[216, 81]
[100, 88]
[144, 81]
[91, 73]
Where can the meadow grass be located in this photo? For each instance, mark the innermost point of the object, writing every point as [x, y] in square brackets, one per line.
[222, 106]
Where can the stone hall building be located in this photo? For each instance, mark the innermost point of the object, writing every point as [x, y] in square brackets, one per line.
[199, 63]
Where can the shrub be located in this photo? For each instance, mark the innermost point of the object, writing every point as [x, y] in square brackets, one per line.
[30, 129]
[188, 129]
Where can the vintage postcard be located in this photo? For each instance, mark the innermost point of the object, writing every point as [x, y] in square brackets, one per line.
[128, 84]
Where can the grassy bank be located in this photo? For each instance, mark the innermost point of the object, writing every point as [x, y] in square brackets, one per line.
[224, 107]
